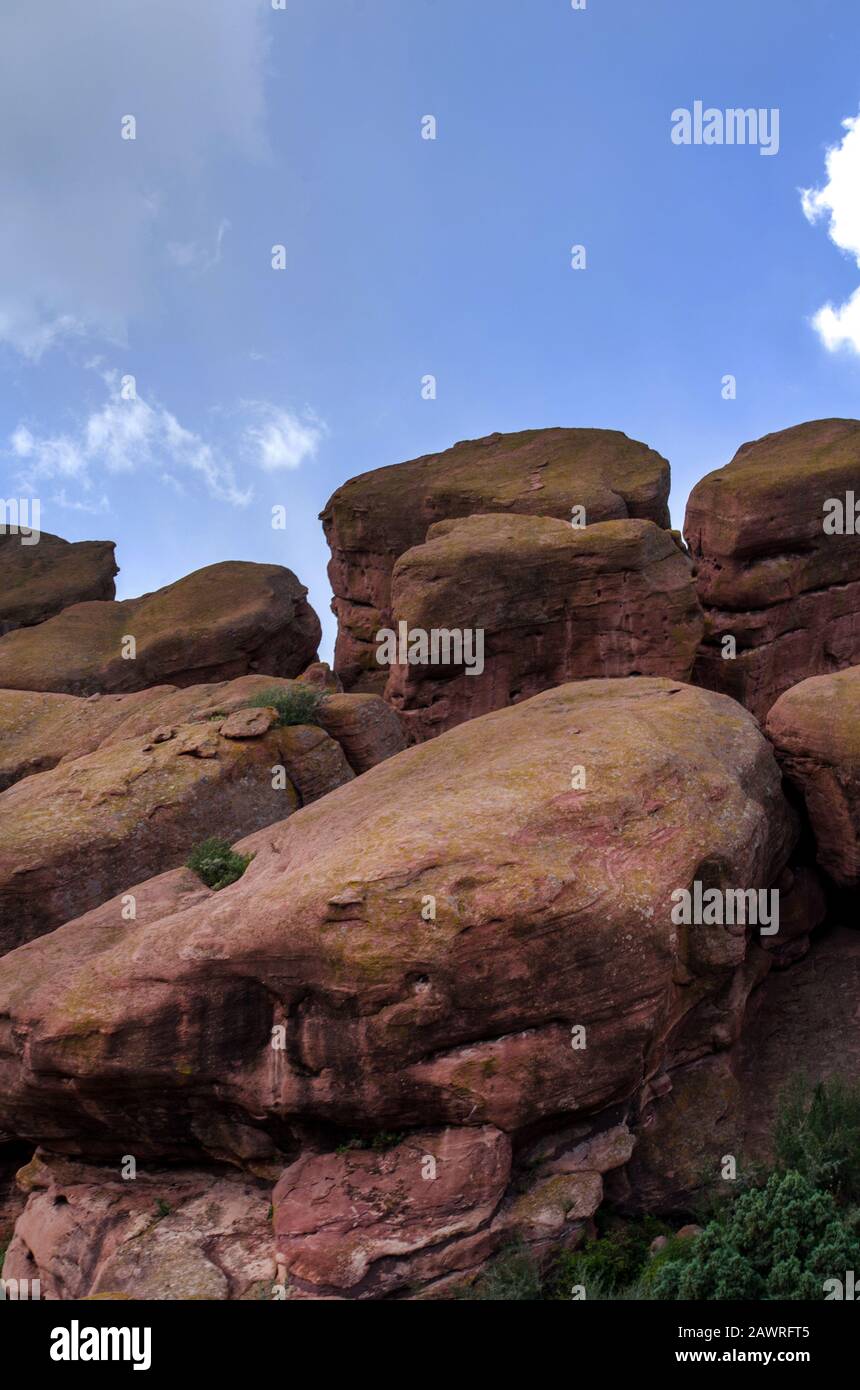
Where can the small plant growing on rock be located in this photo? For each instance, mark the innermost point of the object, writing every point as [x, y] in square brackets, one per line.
[299, 704]
[217, 864]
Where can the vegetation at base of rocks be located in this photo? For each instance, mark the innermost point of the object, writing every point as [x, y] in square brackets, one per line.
[780, 1242]
[817, 1133]
[217, 863]
[162, 1208]
[378, 1143]
[781, 1234]
[300, 704]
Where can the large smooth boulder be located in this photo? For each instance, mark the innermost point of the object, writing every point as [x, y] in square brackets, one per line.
[768, 573]
[74, 836]
[39, 580]
[551, 602]
[465, 935]
[375, 517]
[220, 622]
[175, 1234]
[38, 730]
[815, 728]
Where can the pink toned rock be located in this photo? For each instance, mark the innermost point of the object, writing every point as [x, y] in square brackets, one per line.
[552, 914]
[168, 1234]
[364, 1224]
[768, 574]
[86, 830]
[40, 730]
[367, 729]
[222, 621]
[249, 723]
[815, 729]
[552, 603]
[377, 516]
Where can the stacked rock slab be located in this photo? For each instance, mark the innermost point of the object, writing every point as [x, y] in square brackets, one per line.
[377, 516]
[220, 622]
[41, 574]
[546, 603]
[775, 537]
[815, 728]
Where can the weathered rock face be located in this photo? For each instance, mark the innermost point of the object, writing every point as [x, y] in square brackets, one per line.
[74, 836]
[421, 947]
[221, 622]
[552, 603]
[429, 1210]
[377, 516]
[801, 1022]
[37, 581]
[815, 728]
[769, 574]
[39, 730]
[168, 1234]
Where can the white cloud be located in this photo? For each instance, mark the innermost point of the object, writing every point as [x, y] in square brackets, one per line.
[87, 216]
[127, 436]
[280, 439]
[838, 200]
[123, 436]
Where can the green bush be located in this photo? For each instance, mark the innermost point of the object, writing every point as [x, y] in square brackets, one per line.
[613, 1262]
[817, 1133]
[779, 1242]
[297, 704]
[217, 863]
[514, 1277]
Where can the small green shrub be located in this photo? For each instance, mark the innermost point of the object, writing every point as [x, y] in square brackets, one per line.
[297, 704]
[615, 1261]
[817, 1133]
[217, 863]
[380, 1142]
[513, 1277]
[779, 1242]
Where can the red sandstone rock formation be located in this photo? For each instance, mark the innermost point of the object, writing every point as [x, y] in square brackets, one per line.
[375, 517]
[769, 574]
[222, 621]
[815, 728]
[551, 602]
[39, 580]
[167, 1234]
[39, 730]
[552, 910]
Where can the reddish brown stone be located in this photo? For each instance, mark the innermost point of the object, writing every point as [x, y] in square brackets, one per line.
[551, 602]
[221, 622]
[37, 581]
[375, 517]
[768, 574]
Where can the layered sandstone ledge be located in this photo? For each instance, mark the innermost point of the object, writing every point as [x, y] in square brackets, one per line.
[374, 518]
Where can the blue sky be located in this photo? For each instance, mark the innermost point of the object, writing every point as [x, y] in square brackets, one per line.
[404, 257]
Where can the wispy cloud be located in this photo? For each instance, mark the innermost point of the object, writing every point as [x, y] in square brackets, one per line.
[838, 200]
[130, 435]
[277, 439]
